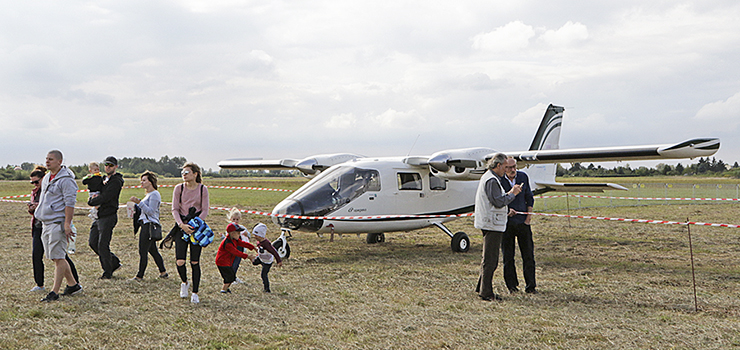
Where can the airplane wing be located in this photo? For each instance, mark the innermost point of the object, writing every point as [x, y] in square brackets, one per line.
[310, 166]
[699, 147]
[258, 164]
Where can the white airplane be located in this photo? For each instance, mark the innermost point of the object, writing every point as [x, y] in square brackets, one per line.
[349, 193]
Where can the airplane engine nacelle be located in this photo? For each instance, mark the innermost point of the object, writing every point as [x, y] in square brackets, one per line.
[459, 164]
[313, 165]
[459, 173]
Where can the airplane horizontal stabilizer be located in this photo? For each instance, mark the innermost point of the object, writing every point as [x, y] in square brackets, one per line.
[543, 187]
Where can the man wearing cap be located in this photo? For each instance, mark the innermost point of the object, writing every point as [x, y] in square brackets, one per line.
[101, 230]
[227, 251]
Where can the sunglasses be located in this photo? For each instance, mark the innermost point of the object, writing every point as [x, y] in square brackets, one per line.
[35, 182]
[185, 172]
[109, 164]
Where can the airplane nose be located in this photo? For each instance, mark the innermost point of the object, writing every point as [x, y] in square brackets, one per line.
[290, 207]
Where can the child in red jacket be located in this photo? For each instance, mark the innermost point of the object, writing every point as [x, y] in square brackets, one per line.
[227, 251]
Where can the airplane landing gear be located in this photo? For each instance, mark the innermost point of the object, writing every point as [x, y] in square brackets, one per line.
[377, 237]
[460, 242]
[281, 244]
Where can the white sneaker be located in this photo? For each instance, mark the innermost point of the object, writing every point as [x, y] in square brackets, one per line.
[37, 289]
[194, 298]
[237, 281]
[184, 290]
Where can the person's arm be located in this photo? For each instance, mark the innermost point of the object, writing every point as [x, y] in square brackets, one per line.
[231, 248]
[274, 253]
[150, 205]
[109, 192]
[176, 194]
[69, 195]
[247, 245]
[495, 194]
[204, 203]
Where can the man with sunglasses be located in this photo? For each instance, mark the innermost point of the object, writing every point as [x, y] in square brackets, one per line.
[101, 230]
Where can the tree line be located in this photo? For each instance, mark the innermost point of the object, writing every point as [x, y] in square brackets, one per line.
[133, 167]
[704, 167]
[170, 167]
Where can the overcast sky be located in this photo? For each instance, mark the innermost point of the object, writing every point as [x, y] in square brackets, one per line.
[211, 80]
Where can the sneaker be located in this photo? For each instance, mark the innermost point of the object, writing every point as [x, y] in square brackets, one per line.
[237, 281]
[194, 298]
[37, 289]
[105, 277]
[268, 291]
[137, 279]
[166, 275]
[77, 288]
[50, 297]
[184, 290]
[228, 291]
[493, 297]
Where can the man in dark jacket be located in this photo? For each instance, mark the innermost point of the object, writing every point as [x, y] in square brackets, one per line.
[101, 230]
[517, 228]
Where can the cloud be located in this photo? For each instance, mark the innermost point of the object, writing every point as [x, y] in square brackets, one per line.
[342, 121]
[531, 116]
[569, 34]
[725, 113]
[513, 36]
[392, 119]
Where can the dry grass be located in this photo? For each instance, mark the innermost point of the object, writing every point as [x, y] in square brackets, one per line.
[603, 285]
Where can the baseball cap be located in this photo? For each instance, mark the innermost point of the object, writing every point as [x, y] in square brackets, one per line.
[260, 230]
[111, 160]
[232, 228]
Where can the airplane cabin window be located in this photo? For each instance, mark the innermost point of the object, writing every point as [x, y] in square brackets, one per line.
[409, 181]
[436, 183]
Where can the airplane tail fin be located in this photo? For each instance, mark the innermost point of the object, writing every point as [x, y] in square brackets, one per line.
[547, 137]
[548, 134]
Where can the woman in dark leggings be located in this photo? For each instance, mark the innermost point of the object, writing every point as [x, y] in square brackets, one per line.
[149, 207]
[189, 194]
[37, 254]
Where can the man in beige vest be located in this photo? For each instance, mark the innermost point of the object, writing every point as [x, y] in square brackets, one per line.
[490, 217]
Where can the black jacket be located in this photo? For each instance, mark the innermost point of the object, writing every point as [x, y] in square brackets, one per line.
[108, 198]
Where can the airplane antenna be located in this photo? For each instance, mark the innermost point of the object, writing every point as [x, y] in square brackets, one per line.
[412, 146]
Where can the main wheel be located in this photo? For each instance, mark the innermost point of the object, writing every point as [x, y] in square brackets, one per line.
[377, 237]
[283, 251]
[460, 242]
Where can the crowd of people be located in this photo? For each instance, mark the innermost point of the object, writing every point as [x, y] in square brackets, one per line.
[52, 205]
[502, 201]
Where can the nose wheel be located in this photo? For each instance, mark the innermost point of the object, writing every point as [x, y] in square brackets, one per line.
[377, 237]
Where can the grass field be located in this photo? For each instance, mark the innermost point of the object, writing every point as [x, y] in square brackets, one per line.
[602, 285]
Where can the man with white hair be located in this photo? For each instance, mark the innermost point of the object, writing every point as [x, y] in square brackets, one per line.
[490, 217]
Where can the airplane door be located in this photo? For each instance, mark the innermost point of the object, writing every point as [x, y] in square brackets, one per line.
[410, 194]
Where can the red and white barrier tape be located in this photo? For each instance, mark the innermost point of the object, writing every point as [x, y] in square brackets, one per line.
[645, 221]
[375, 217]
[646, 198]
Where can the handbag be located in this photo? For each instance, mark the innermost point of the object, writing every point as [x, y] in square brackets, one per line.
[155, 229]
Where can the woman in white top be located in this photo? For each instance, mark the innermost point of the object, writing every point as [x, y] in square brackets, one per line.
[149, 207]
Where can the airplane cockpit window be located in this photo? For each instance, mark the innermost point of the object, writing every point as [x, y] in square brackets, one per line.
[436, 183]
[409, 181]
[334, 188]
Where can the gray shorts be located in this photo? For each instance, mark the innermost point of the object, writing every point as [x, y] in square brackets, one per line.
[54, 240]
